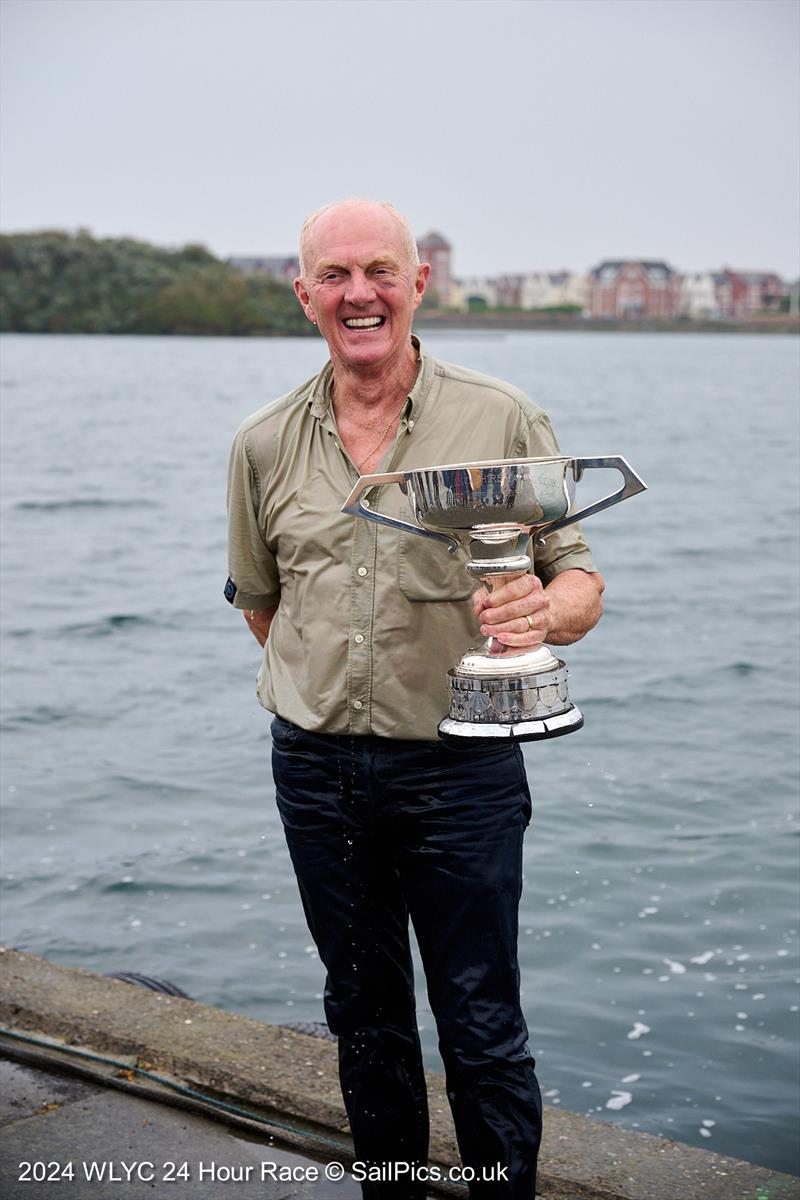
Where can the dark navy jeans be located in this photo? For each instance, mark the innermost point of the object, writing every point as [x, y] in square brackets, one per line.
[380, 829]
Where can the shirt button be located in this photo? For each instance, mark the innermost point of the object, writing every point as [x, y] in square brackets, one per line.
[365, 503]
[358, 639]
[357, 704]
[362, 571]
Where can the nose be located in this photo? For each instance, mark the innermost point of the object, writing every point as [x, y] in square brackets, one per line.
[359, 289]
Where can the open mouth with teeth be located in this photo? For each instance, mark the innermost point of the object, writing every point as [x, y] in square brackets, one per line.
[363, 322]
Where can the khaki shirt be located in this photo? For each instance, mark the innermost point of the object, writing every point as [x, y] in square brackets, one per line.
[370, 618]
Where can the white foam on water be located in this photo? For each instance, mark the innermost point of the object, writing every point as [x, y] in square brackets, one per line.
[702, 959]
[638, 1030]
[676, 968]
[631, 1078]
[618, 1099]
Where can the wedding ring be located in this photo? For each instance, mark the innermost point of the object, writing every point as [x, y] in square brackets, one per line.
[529, 619]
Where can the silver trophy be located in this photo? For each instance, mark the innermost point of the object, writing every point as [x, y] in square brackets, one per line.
[499, 691]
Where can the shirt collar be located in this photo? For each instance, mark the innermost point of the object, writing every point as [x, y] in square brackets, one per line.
[319, 400]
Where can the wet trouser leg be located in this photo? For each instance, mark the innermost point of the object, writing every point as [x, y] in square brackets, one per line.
[377, 828]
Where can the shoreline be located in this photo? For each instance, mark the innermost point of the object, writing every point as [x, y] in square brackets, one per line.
[488, 322]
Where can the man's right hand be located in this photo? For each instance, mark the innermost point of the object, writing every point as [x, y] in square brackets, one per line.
[258, 622]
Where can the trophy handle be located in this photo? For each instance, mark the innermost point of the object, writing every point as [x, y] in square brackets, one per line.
[630, 487]
[356, 507]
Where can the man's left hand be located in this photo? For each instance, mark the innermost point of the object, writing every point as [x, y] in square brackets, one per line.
[516, 612]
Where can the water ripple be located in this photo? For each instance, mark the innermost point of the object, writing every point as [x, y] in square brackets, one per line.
[80, 502]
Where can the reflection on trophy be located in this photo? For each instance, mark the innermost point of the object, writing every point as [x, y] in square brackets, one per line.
[496, 507]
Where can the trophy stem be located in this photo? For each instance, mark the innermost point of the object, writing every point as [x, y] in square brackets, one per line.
[493, 648]
[490, 555]
[499, 691]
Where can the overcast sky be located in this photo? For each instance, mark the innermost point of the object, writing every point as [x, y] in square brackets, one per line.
[532, 133]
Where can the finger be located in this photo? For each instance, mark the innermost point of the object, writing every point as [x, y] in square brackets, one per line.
[525, 624]
[536, 603]
[479, 600]
[516, 629]
[514, 589]
[532, 639]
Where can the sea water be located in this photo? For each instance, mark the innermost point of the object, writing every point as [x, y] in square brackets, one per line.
[658, 927]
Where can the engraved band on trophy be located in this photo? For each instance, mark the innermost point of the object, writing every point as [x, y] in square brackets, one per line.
[496, 507]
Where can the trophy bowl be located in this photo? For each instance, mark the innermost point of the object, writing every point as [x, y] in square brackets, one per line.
[496, 507]
[523, 492]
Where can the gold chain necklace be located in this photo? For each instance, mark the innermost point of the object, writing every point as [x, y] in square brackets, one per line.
[381, 439]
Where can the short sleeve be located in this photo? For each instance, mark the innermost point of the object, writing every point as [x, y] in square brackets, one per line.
[565, 550]
[253, 579]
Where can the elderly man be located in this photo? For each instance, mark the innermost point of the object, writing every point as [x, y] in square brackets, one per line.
[359, 625]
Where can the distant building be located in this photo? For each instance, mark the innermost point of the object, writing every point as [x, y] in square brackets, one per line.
[634, 290]
[553, 289]
[509, 291]
[742, 293]
[536, 290]
[574, 289]
[473, 292]
[437, 251]
[793, 292]
[285, 268]
[699, 295]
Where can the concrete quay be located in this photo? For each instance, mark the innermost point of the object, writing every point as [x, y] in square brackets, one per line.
[96, 1071]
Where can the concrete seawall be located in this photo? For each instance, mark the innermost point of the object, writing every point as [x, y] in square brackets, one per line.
[288, 1082]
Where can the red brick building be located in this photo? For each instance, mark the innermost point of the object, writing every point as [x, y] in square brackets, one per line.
[437, 251]
[742, 293]
[509, 291]
[631, 290]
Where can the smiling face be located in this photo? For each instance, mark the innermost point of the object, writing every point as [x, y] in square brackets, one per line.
[360, 285]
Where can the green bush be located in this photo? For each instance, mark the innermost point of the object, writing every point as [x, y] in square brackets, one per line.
[56, 282]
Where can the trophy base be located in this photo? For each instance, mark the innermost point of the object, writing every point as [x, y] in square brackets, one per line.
[465, 734]
[522, 697]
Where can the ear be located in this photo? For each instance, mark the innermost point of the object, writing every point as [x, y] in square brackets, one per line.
[301, 291]
[421, 282]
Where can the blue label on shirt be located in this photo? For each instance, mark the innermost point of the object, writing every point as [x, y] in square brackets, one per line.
[230, 590]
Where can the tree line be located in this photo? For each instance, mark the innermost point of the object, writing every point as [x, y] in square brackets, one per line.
[58, 282]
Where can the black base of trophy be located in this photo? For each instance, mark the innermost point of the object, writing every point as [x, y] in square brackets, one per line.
[468, 735]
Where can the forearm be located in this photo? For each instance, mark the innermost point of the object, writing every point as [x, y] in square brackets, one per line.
[258, 622]
[575, 600]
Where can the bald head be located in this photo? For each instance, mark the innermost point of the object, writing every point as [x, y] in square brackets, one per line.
[371, 211]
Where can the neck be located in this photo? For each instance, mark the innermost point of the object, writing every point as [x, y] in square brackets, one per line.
[374, 388]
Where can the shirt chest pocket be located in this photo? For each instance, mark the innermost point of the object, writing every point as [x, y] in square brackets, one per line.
[427, 571]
